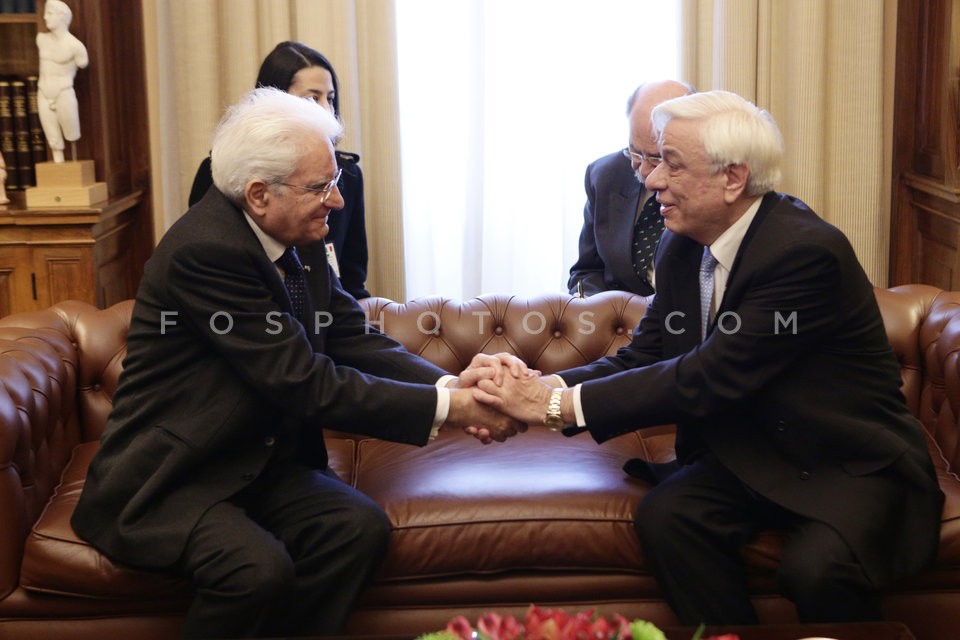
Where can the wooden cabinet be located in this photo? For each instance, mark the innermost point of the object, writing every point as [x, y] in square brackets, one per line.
[925, 238]
[93, 253]
[87, 254]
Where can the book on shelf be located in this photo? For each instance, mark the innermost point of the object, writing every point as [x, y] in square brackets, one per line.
[22, 142]
[21, 135]
[18, 6]
[7, 143]
[38, 142]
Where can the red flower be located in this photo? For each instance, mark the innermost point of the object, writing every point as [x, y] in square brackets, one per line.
[460, 627]
[550, 624]
[553, 624]
[499, 627]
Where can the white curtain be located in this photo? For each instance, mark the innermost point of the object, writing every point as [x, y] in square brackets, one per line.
[503, 103]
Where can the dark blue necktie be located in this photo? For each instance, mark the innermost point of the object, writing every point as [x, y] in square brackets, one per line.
[646, 235]
[293, 278]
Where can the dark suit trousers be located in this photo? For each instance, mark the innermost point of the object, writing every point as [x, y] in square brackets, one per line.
[692, 527]
[287, 556]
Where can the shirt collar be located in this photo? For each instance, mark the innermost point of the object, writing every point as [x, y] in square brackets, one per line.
[725, 247]
[273, 248]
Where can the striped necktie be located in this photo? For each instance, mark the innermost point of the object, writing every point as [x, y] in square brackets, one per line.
[707, 265]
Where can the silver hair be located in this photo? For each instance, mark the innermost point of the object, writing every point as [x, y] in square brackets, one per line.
[734, 131]
[264, 136]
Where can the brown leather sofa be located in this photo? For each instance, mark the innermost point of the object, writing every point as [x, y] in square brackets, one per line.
[541, 519]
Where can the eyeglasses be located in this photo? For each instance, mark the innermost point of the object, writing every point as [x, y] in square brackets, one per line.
[323, 188]
[651, 160]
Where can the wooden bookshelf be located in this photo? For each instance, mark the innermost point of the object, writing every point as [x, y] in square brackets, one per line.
[96, 252]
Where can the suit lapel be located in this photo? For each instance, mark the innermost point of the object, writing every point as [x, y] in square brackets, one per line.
[679, 258]
[317, 274]
[731, 295]
[618, 229]
[237, 230]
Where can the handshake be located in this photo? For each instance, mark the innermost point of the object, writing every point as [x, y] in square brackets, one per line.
[497, 396]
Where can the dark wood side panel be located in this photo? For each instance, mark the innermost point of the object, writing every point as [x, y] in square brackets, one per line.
[925, 221]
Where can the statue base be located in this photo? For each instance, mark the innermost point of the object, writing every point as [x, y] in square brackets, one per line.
[66, 184]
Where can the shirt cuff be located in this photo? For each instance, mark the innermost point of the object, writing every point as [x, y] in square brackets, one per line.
[577, 407]
[443, 404]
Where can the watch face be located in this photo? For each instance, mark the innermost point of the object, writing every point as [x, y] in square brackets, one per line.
[554, 423]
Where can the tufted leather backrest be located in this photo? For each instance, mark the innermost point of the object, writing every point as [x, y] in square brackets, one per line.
[39, 426]
[923, 325]
[938, 406]
[549, 333]
[903, 310]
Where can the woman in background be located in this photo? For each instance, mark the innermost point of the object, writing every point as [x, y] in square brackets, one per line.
[305, 72]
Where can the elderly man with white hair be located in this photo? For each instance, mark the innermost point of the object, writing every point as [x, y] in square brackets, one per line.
[765, 346]
[213, 463]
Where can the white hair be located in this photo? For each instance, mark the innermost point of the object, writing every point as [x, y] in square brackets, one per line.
[734, 131]
[264, 136]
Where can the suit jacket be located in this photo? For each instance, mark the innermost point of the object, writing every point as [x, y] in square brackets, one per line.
[219, 378]
[606, 239]
[348, 227]
[796, 388]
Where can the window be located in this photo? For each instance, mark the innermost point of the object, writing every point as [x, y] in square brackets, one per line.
[503, 103]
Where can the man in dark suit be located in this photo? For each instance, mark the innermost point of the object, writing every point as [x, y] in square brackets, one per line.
[765, 345]
[213, 462]
[621, 224]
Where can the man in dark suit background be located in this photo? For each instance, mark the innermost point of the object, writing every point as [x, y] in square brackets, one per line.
[213, 463]
[619, 232]
[765, 345]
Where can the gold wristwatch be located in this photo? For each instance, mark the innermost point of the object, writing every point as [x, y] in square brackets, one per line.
[553, 419]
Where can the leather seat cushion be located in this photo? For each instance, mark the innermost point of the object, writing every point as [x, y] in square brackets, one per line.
[549, 503]
[56, 561]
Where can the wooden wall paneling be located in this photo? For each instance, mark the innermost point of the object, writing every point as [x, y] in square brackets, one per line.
[16, 273]
[925, 232]
[63, 273]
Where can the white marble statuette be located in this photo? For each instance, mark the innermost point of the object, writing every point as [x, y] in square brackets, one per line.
[61, 54]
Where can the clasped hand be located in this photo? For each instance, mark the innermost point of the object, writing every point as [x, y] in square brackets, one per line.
[497, 396]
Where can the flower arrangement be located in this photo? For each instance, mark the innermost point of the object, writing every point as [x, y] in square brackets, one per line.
[555, 624]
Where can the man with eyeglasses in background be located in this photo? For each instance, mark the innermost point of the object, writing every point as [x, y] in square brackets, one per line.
[621, 219]
[213, 464]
